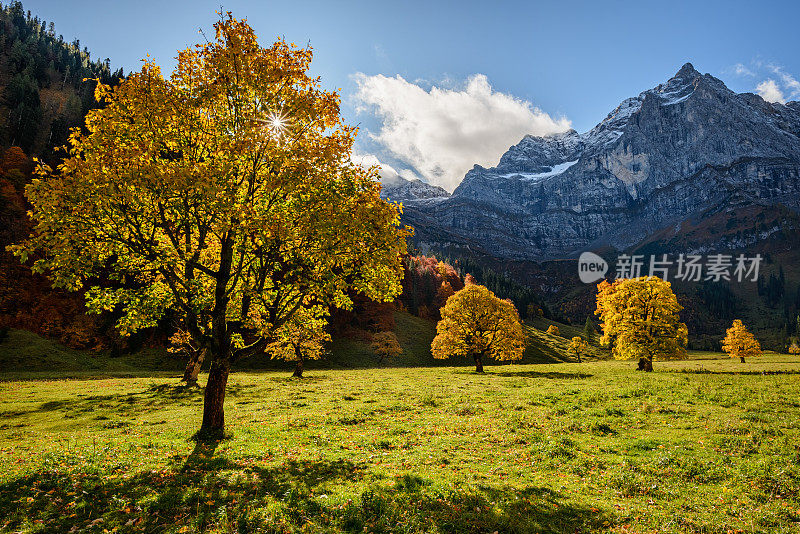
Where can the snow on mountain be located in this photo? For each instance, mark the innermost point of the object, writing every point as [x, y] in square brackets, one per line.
[401, 190]
[686, 147]
[554, 171]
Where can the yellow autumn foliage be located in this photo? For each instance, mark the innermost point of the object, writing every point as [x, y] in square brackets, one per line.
[224, 195]
[386, 345]
[640, 319]
[739, 342]
[478, 324]
[577, 347]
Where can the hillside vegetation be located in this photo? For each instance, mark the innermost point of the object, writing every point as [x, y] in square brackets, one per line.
[44, 82]
[26, 352]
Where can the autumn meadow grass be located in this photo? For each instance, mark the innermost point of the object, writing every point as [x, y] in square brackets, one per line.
[706, 445]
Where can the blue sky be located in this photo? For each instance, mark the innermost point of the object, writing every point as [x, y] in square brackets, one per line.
[567, 63]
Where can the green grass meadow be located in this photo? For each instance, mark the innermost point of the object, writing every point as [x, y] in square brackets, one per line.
[705, 445]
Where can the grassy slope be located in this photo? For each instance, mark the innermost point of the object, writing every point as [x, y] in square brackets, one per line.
[547, 348]
[22, 352]
[414, 334]
[26, 352]
[698, 446]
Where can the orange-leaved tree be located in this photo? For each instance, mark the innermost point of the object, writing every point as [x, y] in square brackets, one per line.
[553, 330]
[640, 318]
[476, 323]
[794, 348]
[223, 195]
[386, 345]
[739, 342]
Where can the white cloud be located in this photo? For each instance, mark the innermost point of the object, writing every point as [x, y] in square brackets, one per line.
[790, 84]
[443, 132]
[776, 84]
[741, 70]
[387, 173]
[769, 91]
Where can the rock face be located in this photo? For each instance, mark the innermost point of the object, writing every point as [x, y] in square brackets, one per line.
[680, 151]
[401, 190]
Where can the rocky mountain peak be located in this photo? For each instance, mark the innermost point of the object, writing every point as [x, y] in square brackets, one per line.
[687, 72]
[686, 147]
[401, 190]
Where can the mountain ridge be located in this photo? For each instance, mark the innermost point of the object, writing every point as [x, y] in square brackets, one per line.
[402, 189]
[671, 153]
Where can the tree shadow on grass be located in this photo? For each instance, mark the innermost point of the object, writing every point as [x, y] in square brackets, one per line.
[152, 399]
[306, 379]
[202, 457]
[553, 375]
[543, 374]
[151, 501]
[742, 373]
[209, 491]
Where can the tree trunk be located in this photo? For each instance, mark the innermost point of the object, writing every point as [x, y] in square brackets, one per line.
[579, 357]
[213, 426]
[741, 358]
[193, 366]
[648, 366]
[298, 369]
[478, 362]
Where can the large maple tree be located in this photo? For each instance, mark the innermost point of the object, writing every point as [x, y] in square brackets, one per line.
[478, 324]
[224, 195]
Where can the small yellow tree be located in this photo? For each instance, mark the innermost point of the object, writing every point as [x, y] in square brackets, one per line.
[740, 343]
[794, 348]
[578, 346]
[476, 323]
[640, 318]
[386, 345]
[302, 338]
[553, 330]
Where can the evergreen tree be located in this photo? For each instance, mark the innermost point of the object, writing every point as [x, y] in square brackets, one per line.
[589, 330]
[34, 59]
[505, 287]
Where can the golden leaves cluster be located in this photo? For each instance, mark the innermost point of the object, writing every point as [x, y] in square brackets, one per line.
[577, 346]
[476, 322]
[739, 342]
[640, 318]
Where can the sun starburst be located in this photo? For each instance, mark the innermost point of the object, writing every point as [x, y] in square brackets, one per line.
[277, 123]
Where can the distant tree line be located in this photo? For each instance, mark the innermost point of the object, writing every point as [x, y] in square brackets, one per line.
[526, 300]
[718, 298]
[427, 284]
[773, 288]
[775, 293]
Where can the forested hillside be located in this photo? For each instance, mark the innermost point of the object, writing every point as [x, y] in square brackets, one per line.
[46, 83]
[46, 88]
